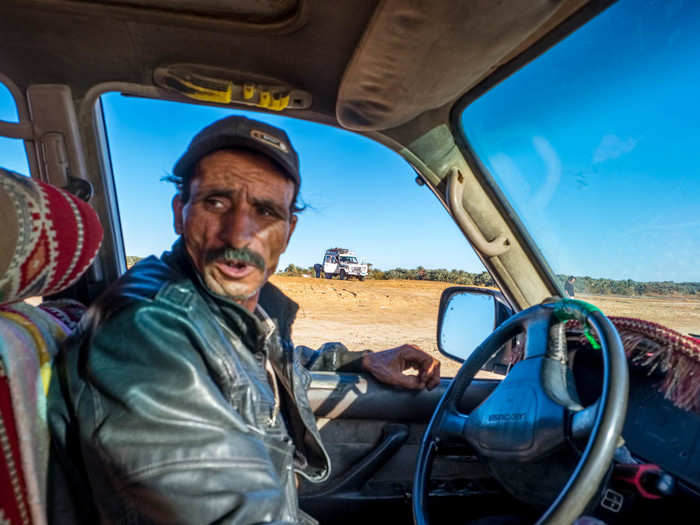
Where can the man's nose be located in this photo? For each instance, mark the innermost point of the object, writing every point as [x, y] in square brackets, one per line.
[238, 226]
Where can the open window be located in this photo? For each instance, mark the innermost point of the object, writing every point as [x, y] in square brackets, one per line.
[361, 202]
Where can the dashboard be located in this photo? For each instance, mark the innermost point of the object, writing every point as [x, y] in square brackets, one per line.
[655, 431]
[659, 432]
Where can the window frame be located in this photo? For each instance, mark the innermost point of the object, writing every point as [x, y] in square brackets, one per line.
[22, 129]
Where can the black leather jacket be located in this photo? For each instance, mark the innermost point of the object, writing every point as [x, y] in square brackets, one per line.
[162, 409]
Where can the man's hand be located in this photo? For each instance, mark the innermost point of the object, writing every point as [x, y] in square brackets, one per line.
[388, 367]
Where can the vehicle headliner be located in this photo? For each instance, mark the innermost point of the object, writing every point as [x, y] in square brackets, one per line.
[373, 72]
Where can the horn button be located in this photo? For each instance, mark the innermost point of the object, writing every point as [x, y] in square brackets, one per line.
[518, 421]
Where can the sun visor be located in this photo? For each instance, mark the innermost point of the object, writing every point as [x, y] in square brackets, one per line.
[419, 55]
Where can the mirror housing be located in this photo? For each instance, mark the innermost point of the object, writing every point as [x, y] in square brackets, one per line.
[467, 315]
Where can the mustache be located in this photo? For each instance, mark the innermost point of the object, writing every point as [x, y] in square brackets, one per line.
[245, 255]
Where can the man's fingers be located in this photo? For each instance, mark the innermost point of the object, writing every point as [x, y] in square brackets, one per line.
[431, 376]
[389, 367]
[414, 354]
[434, 381]
[412, 382]
[417, 357]
[428, 367]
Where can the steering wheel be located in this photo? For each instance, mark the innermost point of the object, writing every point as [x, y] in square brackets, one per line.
[534, 410]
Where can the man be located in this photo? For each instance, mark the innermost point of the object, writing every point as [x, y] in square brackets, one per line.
[181, 398]
[569, 286]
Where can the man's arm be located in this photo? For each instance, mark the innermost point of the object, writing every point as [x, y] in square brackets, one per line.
[162, 443]
[387, 366]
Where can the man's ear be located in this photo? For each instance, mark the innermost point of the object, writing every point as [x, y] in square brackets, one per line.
[178, 206]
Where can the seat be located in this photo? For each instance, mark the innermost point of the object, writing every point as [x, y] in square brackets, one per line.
[48, 240]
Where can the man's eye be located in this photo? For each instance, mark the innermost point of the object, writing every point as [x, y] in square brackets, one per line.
[216, 204]
[266, 211]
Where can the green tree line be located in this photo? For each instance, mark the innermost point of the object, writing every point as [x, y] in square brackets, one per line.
[583, 284]
[602, 286]
[415, 274]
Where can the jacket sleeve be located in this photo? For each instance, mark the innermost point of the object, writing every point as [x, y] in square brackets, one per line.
[331, 357]
[161, 442]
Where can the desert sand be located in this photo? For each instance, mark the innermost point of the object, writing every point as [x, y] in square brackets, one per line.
[382, 314]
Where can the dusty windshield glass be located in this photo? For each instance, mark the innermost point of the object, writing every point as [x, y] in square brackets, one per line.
[594, 144]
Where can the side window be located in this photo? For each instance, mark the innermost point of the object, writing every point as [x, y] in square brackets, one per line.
[359, 196]
[12, 154]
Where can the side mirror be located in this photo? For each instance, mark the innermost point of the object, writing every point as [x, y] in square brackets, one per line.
[467, 316]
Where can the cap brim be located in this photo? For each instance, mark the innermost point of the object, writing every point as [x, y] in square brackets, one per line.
[189, 159]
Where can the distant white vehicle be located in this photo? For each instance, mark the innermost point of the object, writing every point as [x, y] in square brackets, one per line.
[344, 264]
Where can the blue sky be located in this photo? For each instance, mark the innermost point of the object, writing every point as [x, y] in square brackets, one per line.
[594, 142]
[360, 194]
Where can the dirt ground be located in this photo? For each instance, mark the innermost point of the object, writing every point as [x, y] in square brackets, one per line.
[384, 314]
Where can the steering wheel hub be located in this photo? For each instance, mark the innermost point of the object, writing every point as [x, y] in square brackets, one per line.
[508, 424]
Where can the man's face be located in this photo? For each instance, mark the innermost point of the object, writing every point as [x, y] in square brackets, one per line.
[236, 222]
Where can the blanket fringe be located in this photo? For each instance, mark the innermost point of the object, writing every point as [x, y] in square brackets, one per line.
[657, 349]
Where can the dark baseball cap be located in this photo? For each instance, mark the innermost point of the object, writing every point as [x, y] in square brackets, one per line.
[244, 133]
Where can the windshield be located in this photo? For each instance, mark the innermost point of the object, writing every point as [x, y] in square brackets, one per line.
[594, 144]
[346, 259]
